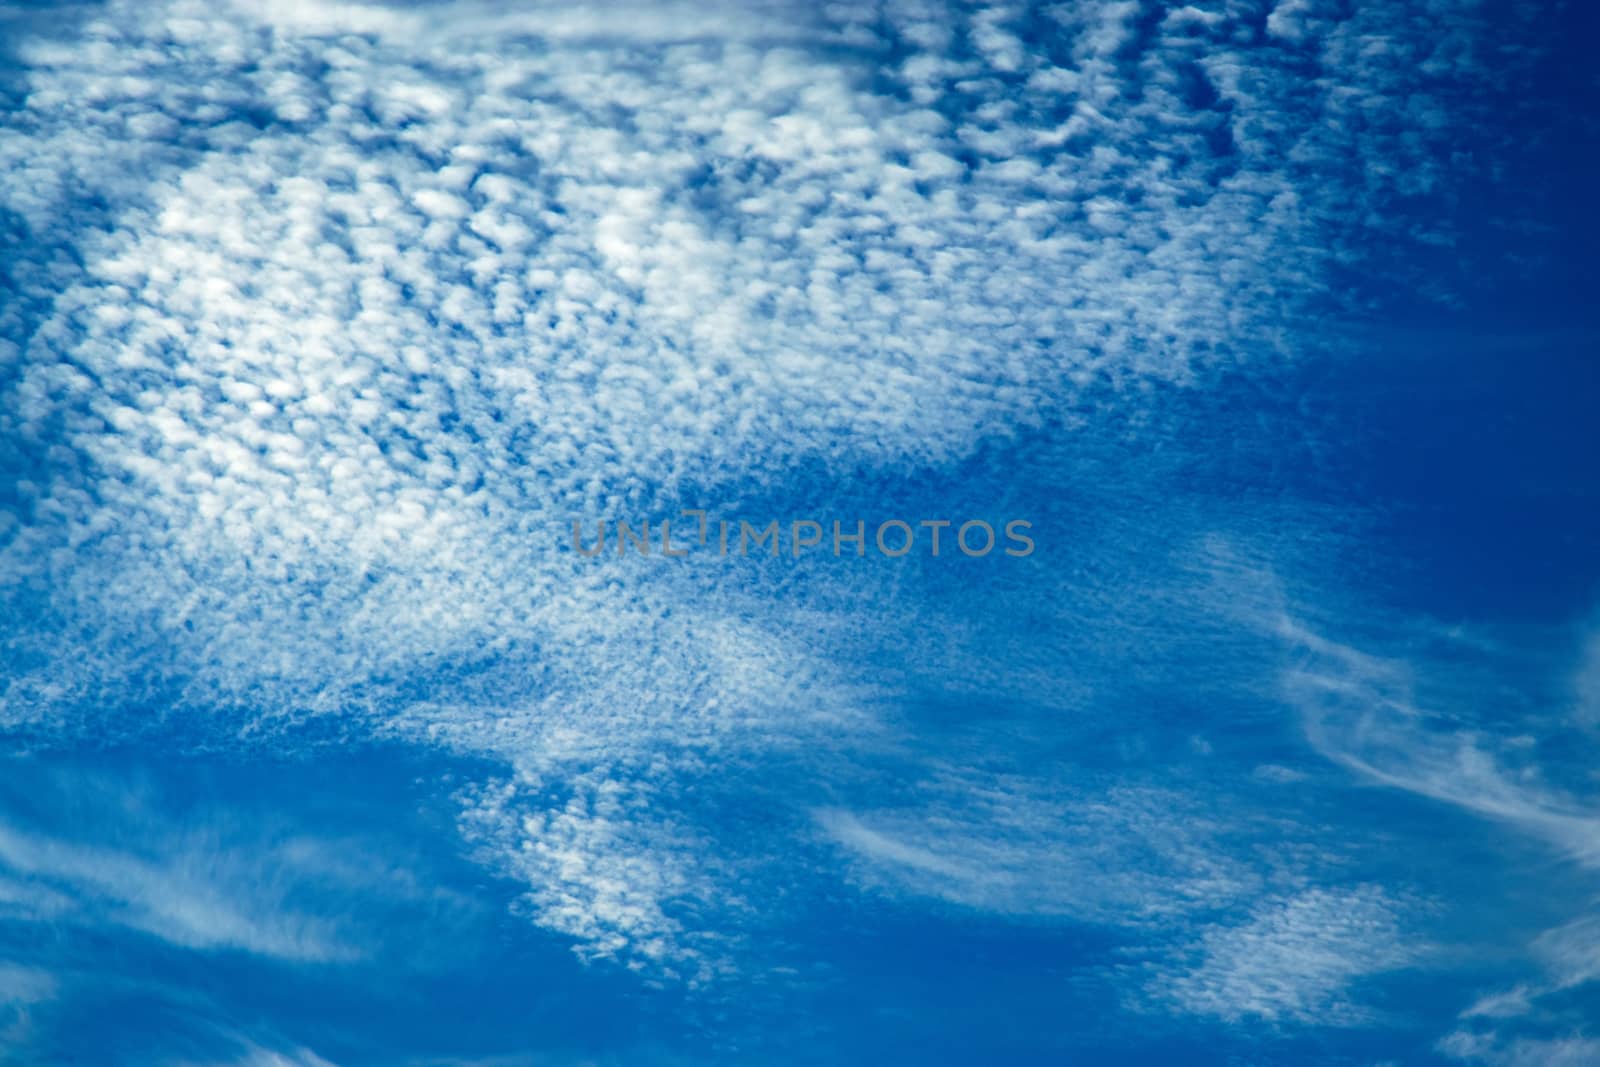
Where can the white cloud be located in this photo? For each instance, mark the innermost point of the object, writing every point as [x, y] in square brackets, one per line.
[293, 1058]
[1359, 711]
[1507, 1003]
[338, 324]
[1576, 1050]
[200, 877]
[24, 985]
[1422, 723]
[1571, 953]
[192, 896]
[1570, 957]
[1125, 855]
[603, 872]
[1293, 960]
[252, 1054]
[21, 989]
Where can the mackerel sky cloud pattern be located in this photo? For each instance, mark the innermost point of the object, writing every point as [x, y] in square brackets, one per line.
[324, 321]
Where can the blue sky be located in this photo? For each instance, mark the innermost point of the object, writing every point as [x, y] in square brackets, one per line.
[323, 321]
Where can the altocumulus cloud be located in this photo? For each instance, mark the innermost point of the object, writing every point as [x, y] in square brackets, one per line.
[1292, 960]
[330, 317]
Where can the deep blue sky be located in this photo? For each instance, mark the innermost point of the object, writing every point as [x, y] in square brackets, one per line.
[323, 321]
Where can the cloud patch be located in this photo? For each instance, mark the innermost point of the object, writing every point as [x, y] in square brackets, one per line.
[1292, 960]
[330, 318]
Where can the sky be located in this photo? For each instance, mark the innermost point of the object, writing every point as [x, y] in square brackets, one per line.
[1271, 741]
